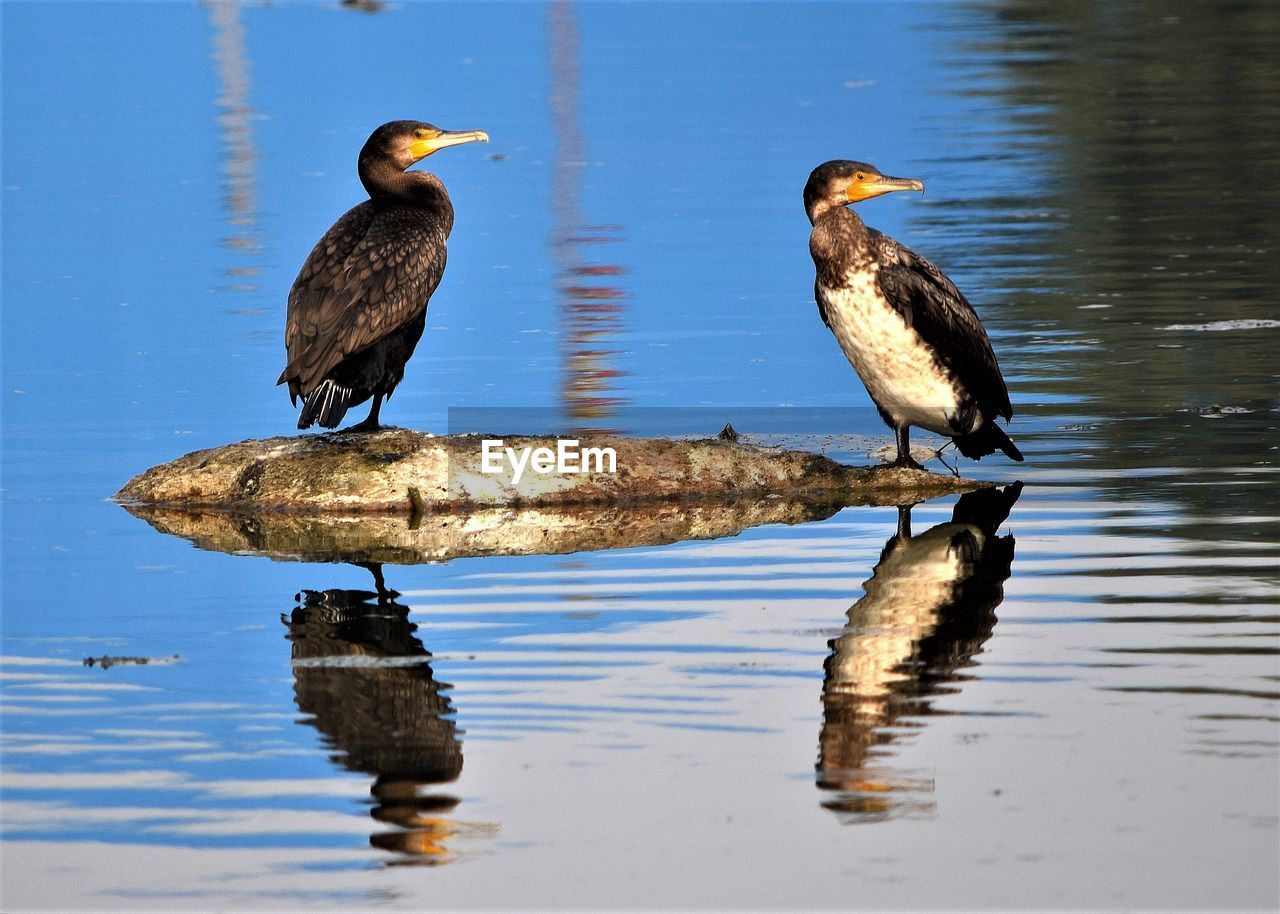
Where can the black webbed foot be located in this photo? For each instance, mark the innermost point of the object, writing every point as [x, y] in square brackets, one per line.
[368, 425]
[905, 461]
[904, 458]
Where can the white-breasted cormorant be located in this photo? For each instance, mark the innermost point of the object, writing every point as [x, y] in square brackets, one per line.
[906, 329]
[359, 304]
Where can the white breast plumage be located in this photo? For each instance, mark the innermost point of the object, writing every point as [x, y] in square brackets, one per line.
[900, 370]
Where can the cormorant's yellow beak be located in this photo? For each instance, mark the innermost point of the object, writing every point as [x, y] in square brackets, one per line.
[424, 146]
[868, 184]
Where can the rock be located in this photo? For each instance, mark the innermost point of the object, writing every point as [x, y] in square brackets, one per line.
[408, 472]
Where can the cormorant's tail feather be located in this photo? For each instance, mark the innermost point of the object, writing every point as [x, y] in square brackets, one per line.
[327, 404]
[1005, 443]
[987, 440]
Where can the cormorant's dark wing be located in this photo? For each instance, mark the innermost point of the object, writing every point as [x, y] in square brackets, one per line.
[822, 304]
[370, 274]
[930, 302]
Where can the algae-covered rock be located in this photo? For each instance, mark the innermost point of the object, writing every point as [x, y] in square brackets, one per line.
[398, 470]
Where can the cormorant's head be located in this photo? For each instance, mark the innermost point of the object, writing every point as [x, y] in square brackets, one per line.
[406, 142]
[841, 182]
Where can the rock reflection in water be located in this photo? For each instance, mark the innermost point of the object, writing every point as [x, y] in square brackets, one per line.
[929, 607]
[383, 538]
[364, 681]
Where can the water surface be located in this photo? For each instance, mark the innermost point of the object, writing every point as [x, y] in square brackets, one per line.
[1074, 706]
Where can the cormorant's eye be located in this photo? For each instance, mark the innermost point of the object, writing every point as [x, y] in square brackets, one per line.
[860, 176]
[420, 133]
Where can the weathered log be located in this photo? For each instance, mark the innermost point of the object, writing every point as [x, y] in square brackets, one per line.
[397, 470]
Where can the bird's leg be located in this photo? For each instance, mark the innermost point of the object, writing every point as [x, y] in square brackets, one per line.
[903, 533]
[904, 449]
[370, 424]
[904, 521]
[385, 594]
[955, 470]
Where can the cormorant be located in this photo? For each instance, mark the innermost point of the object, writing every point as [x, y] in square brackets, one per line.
[906, 329]
[359, 304]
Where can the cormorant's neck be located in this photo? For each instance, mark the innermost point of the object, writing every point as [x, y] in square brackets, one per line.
[825, 207]
[838, 242]
[385, 181]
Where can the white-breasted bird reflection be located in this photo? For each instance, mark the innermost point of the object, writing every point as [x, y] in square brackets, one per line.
[927, 610]
[364, 681]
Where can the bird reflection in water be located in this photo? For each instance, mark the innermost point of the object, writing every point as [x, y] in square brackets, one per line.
[928, 608]
[364, 681]
[591, 298]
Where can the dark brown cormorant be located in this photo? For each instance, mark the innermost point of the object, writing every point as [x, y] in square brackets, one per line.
[906, 329]
[359, 304]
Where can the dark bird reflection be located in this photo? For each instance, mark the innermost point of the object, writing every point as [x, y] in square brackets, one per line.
[364, 681]
[929, 607]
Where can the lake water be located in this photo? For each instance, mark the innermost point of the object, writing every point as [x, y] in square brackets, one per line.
[1074, 706]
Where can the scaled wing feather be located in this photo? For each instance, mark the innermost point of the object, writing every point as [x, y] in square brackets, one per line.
[931, 303]
[370, 274]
